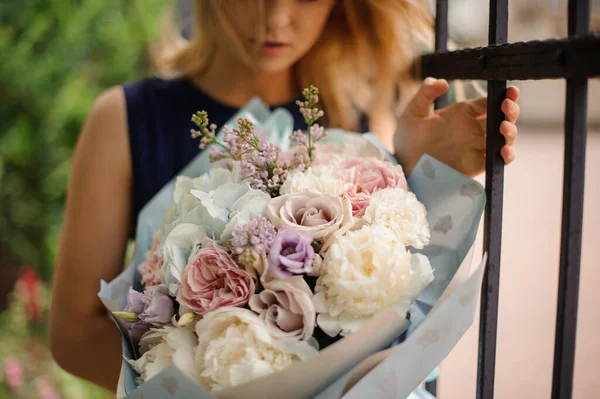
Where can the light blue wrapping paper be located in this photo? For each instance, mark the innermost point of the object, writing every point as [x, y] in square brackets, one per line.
[454, 206]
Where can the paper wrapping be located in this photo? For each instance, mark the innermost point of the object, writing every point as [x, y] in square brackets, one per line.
[369, 363]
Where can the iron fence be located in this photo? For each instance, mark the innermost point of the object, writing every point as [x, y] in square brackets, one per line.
[575, 58]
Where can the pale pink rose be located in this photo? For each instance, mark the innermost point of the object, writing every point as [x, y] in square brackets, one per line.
[212, 280]
[150, 268]
[364, 176]
[322, 216]
[287, 309]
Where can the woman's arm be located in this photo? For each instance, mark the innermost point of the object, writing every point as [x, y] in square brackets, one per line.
[96, 228]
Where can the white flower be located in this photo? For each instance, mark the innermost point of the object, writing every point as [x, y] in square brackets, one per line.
[188, 209]
[322, 178]
[231, 204]
[235, 347]
[363, 272]
[217, 201]
[161, 347]
[250, 206]
[207, 182]
[400, 211]
[177, 248]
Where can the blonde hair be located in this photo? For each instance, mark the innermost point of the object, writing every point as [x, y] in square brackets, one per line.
[362, 63]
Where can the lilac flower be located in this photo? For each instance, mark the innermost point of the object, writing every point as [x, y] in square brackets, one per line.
[317, 132]
[259, 160]
[153, 307]
[311, 114]
[290, 254]
[252, 239]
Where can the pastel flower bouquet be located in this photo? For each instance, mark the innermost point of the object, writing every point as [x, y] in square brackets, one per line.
[297, 257]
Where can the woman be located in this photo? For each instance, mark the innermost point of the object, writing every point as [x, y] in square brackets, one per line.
[137, 136]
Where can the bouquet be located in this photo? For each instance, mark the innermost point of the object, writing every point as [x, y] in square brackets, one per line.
[274, 254]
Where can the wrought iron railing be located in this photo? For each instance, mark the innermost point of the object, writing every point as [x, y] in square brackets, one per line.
[575, 58]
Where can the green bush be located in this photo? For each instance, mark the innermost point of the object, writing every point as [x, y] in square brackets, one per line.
[56, 57]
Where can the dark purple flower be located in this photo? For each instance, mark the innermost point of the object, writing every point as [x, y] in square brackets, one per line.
[291, 254]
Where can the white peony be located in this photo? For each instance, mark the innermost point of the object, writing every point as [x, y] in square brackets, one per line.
[363, 272]
[176, 250]
[235, 347]
[322, 178]
[162, 347]
[400, 211]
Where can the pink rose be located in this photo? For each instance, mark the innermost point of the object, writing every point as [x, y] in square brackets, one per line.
[150, 269]
[211, 280]
[364, 176]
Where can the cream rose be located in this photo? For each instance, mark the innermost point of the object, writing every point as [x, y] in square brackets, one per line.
[286, 308]
[400, 211]
[363, 272]
[162, 347]
[235, 347]
[321, 216]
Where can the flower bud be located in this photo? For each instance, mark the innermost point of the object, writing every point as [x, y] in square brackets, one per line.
[186, 319]
[129, 317]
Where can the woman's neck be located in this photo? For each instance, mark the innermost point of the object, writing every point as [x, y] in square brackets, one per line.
[235, 84]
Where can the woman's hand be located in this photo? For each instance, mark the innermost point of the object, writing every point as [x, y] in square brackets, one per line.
[454, 135]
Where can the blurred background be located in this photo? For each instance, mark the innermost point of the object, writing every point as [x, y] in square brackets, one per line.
[56, 56]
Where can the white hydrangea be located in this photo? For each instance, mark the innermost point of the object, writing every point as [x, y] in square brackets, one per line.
[400, 211]
[363, 272]
[177, 248]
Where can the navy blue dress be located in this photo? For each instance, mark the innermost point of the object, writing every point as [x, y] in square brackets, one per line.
[159, 121]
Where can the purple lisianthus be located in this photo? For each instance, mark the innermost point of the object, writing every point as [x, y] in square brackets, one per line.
[291, 254]
[154, 306]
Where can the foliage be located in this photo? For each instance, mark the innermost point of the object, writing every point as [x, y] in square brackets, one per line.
[56, 57]
[23, 340]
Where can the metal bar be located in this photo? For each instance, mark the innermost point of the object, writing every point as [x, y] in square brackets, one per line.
[573, 57]
[441, 41]
[572, 217]
[441, 44]
[431, 387]
[494, 184]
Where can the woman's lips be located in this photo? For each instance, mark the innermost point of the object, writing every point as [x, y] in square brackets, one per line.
[273, 48]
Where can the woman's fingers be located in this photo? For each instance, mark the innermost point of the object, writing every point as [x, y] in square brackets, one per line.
[513, 93]
[508, 154]
[509, 131]
[511, 110]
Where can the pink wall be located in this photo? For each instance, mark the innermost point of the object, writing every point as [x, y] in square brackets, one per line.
[529, 278]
